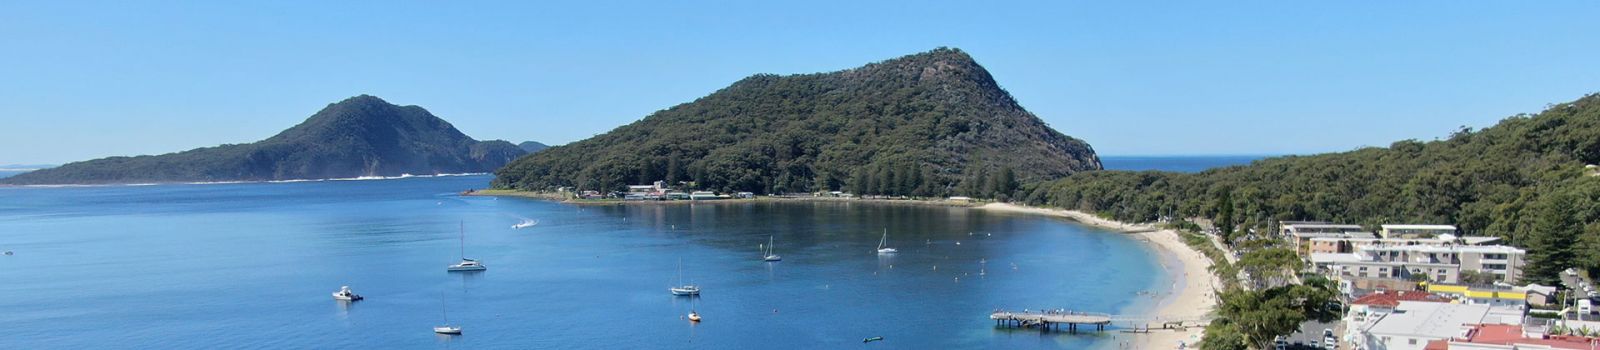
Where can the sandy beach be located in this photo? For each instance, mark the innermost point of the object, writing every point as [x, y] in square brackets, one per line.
[1190, 298]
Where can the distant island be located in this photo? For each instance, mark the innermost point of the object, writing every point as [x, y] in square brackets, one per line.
[929, 124]
[532, 146]
[360, 136]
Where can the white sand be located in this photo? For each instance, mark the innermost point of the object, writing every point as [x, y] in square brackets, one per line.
[1191, 298]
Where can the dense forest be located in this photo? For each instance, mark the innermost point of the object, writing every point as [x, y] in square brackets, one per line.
[360, 136]
[929, 124]
[1524, 179]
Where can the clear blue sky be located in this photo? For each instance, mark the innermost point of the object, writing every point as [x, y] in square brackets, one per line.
[85, 80]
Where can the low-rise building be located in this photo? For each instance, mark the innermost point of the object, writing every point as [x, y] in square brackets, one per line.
[1503, 296]
[1415, 231]
[1439, 264]
[1413, 324]
[1511, 337]
[1377, 303]
[1352, 244]
[703, 195]
[1300, 233]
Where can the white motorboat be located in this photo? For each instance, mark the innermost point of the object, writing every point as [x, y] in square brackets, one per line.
[684, 289]
[525, 224]
[345, 294]
[883, 244]
[768, 254]
[466, 264]
[694, 317]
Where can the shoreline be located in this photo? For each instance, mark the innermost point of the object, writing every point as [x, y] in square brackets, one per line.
[1188, 297]
[1192, 279]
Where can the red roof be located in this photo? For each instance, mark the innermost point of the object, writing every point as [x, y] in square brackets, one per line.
[1392, 298]
[1512, 334]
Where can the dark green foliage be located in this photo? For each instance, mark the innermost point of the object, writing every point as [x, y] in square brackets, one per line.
[920, 124]
[1488, 182]
[360, 136]
[1554, 240]
[1252, 318]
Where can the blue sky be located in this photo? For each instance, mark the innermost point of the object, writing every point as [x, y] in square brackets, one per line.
[86, 80]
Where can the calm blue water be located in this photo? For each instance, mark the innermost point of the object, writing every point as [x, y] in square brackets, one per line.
[1182, 164]
[252, 266]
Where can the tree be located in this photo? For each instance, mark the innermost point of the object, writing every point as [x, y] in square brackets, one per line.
[1553, 243]
[1224, 215]
[1477, 277]
[1269, 267]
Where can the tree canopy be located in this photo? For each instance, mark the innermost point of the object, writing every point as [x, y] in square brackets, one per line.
[931, 124]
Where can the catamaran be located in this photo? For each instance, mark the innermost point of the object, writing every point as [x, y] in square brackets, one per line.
[883, 244]
[769, 256]
[466, 264]
[683, 289]
[345, 294]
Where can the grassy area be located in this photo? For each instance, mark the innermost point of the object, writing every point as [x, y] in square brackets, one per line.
[1219, 259]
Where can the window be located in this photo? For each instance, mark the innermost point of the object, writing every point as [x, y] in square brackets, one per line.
[1412, 341]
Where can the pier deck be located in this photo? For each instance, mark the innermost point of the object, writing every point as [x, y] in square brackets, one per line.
[1051, 320]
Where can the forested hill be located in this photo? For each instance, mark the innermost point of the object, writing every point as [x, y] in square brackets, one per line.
[933, 123]
[360, 136]
[1523, 179]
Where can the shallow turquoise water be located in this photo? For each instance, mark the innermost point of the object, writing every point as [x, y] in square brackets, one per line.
[252, 266]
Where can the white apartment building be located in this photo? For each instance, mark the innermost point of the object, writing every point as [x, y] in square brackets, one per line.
[1439, 263]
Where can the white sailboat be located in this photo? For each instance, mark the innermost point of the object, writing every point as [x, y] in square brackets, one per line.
[466, 264]
[883, 244]
[446, 328]
[684, 289]
[768, 255]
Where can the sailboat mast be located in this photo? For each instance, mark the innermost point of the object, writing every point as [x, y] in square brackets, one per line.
[442, 309]
[463, 231]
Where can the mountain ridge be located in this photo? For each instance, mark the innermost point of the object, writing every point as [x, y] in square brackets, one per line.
[929, 123]
[358, 136]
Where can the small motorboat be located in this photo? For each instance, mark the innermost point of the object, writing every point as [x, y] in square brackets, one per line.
[447, 329]
[467, 265]
[525, 224]
[694, 317]
[345, 294]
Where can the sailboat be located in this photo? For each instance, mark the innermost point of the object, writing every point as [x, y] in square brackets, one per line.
[883, 244]
[769, 256]
[466, 264]
[684, 289]
[446, 328]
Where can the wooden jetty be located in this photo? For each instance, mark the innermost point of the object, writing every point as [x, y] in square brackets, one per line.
[1047, 320]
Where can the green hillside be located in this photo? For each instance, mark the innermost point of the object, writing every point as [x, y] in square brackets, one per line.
[931, 124]
[360, 136]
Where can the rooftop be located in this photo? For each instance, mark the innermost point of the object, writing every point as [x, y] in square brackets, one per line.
[1392, 298]
[1513, 335]
[1418, 227]
[1439, 320]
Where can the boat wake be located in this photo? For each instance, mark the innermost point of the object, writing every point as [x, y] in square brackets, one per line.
[525, 223]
